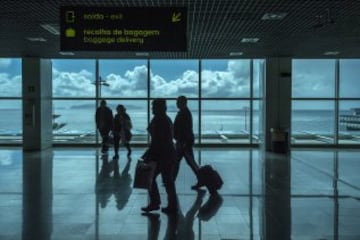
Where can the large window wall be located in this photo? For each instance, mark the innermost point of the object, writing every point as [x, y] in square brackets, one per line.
[10, 100]
[224, 96]
[325, 101]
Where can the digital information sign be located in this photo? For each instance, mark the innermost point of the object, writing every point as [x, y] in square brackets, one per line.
[123, 29]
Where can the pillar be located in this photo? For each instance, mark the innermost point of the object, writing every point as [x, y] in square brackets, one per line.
[37, 103]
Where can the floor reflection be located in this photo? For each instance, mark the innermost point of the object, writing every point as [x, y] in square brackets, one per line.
[76, 194]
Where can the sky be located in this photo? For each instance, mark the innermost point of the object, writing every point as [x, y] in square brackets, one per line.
[171, 78]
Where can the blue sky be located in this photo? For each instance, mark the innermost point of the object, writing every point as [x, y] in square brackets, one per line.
[170, 78]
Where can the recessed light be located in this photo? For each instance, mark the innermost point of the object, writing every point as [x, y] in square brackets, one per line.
[67, 53]
[331, 53]
[52, 28]
[233, 54]
[273, 16]
[142, 54]
[250, 40]
[36, 39]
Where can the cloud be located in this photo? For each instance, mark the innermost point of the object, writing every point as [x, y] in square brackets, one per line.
[186, 84]
[132, 84]
[313, 78]
[73, 84]
[10, 85]
[310, 84]
[5, 62]
[232, 82]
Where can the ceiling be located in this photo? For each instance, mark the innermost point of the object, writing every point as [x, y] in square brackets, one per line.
[215, 28]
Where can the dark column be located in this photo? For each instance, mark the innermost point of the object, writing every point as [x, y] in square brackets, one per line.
[37, 103]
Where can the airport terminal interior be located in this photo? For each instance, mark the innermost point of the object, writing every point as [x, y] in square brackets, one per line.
[272, 87]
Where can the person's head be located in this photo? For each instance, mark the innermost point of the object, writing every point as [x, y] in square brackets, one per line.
[159, 106]
[181, 102]
[120, 108]
[102, 103]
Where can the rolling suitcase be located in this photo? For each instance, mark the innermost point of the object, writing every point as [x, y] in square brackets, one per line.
[210, 178]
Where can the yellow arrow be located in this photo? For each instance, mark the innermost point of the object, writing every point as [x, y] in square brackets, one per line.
[176, 17]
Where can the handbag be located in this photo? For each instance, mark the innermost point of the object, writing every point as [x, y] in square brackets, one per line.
[144, 174]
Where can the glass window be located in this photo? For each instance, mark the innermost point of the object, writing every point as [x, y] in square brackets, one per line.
[74, 121]
[225, 78]
[225, 121]
[257, 128]
[312, 122]
[73, 78]
[349, 77]
[138, 114]
[349, 122]
[10, 77]
[172, 78]
[258, 77]
[313, 78]
[11, 121]
[123, 78]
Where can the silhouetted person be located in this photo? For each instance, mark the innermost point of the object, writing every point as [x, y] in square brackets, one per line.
[184, 136]
[161, 150]
[104, 123]
[122, 130]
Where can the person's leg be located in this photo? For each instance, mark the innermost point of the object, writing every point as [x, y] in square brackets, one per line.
[154, 195]
[179, 155]
[105, 139]
[170, 189]
[190, 160]
[127, 145]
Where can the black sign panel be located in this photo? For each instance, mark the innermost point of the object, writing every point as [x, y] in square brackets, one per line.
[123, 29]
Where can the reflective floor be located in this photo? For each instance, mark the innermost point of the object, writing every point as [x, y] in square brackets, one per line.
[65, 194]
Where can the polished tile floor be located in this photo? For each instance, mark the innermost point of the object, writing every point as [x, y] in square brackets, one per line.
[62, 193]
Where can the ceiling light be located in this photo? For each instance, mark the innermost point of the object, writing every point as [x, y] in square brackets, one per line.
[233, 54]
[142, 54]
[52, 28]
[250, 40]
[273, 16]
[67, 53]
[36, 39]
[331, 53]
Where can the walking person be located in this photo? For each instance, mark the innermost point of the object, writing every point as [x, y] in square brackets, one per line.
[104, 124]
[122, 130]
[184, 136]
[162, 151]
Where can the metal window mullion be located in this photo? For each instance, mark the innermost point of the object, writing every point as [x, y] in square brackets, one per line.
[251, 222]
[96, 95]
[199, 104]
[337, 89]
[148, 96]
[251, 101]
[336, 195]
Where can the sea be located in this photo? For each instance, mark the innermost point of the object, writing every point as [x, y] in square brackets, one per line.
[81, 121]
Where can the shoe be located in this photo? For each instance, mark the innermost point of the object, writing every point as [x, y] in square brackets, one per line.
[196, 186]
[150, 207]
[169, 210]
